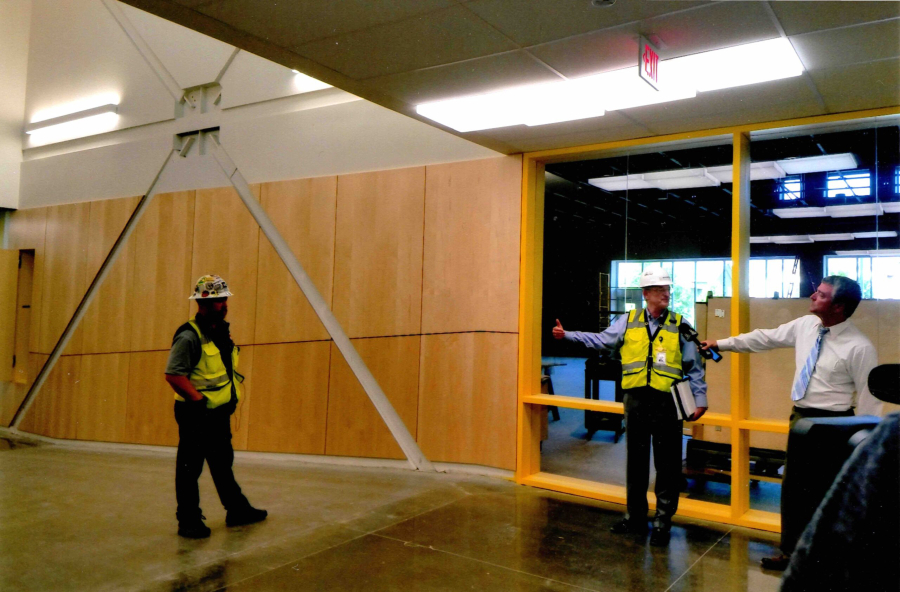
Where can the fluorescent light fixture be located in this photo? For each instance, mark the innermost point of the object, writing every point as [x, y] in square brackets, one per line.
[799, 212]
[622, 183]
[854, 210]
[790, 239]
[808, 238]
[592, 96]
[877, 234]
[682, 179]
[93, 115]
[891, 207]
[872, 253]
[740, 65]
[832, 237]
[818, 164]
[83, 117]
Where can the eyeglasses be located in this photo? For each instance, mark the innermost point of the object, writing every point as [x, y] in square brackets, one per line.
[659, 289]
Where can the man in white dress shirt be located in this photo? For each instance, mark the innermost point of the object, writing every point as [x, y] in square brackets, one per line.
[833, 359]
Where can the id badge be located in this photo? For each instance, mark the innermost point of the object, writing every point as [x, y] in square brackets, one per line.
[661, 356]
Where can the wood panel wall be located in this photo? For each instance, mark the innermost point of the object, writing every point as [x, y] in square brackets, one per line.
[420, 266]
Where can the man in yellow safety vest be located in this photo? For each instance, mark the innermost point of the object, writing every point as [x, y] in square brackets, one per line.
[202, 370]
[655, 355]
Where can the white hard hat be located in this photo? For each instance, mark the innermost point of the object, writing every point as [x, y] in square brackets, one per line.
[655, 276]
[210, 286]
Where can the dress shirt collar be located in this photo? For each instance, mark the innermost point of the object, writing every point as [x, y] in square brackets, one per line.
[839, 328]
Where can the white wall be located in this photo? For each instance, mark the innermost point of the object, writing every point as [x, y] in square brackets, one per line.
[271, 130]
[15, 16]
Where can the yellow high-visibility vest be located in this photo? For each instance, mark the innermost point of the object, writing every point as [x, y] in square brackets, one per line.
[210, 376]
[656, 364]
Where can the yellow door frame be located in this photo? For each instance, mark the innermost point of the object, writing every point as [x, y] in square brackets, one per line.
[531, 403]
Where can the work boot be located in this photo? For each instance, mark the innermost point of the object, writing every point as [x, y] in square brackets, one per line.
[660, 536]
[626, 526]
[247, 515]
[194, 529]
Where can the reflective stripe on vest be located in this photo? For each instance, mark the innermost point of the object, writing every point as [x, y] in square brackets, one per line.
[210, 377]
[640, 366]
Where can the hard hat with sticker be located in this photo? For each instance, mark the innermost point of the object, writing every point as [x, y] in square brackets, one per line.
[210, 286]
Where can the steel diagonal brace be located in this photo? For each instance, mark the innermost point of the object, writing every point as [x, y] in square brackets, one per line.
[89, 296]
[360, 370]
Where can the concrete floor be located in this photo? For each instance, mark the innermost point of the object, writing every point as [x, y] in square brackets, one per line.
[79, 520]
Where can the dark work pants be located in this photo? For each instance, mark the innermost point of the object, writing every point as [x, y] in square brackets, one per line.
[790, 528]
[650, 417]
[204, 435]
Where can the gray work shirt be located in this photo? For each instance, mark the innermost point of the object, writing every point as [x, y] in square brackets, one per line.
[185, 354]
[612, 339]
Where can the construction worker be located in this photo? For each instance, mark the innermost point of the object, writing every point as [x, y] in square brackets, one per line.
[202, 370]
[655, 355]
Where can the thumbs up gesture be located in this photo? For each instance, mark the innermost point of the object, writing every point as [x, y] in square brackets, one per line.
[558, 331]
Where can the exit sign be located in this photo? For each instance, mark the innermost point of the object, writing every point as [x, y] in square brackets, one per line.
[648, 63]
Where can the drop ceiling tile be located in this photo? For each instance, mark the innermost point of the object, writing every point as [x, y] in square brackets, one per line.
[465, 78]
[610, 49]
[194, 3]
[804, 17]
[530, 22]
[860, 86]
[434, 39]
[579, 138]
[292, 23]
[694, 31]
[743, 98]
[703, 121]
[837, 47]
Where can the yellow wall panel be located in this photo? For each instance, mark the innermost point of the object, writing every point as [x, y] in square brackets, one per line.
[354, 426]
[303, 211]
[162, 270]
[226, 243]
[471, 257]
[467, 398]
[106, 325]
[101, 399]
[378, 252]
[64, 271]
[290, 403]
[26, 229]
[149, 410]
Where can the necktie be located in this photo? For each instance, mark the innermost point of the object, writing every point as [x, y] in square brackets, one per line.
[799, 390]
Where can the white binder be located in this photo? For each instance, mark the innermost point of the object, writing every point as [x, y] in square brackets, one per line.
[684, 399]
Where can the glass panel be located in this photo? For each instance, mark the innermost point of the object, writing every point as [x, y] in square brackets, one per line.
[683, 291]
[711, 278]
[845, 266]
[757, 278]
[606, 221]
[767, 451]
[774, 279]
[886, 277]
[707, 464]
[584, 444]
